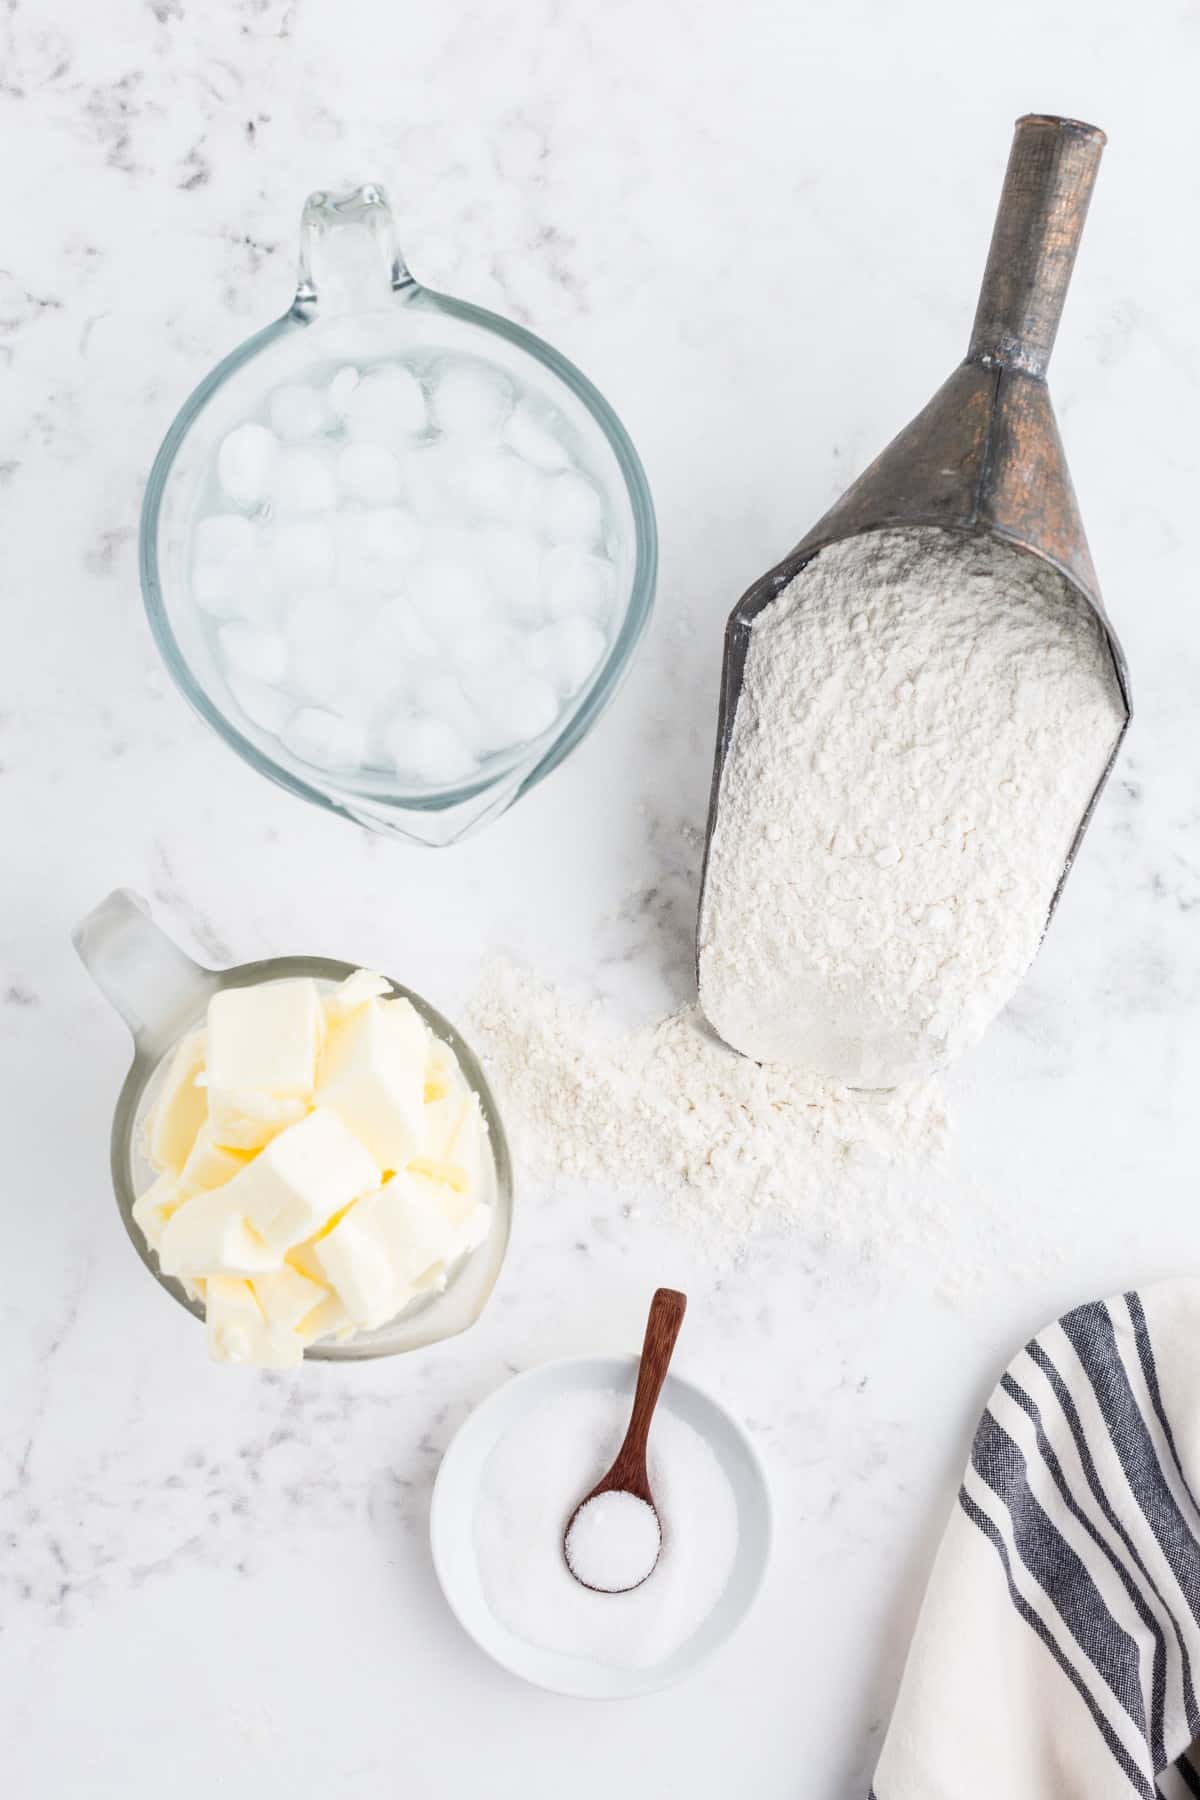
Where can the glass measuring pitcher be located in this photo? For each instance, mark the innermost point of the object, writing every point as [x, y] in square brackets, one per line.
[357, 307]
[162, 994]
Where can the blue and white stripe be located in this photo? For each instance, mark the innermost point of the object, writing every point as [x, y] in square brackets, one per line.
[1057, 1656]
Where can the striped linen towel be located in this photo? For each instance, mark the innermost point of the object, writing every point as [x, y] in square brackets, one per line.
[1057, 1654]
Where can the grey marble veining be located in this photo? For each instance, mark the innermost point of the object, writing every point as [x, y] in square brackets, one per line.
[759, 229]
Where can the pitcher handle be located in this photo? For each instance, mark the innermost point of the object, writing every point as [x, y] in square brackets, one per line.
[142, 972]
[350, 259]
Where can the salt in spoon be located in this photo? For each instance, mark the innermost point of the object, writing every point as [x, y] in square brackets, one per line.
[639, 1538]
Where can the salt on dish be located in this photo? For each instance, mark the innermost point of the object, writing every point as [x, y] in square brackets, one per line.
[613, 1543]
[530, 1486]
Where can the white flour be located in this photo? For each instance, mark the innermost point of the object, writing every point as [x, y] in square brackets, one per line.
[732, 1145]
[924, 720]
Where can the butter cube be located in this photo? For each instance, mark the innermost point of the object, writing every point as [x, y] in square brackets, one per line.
[329, 1320]
[455, 1142]
[152, 1209]
[263, 1045]
[303, 1256]
[468, 1221]
[210, 1164]
[239, 1333]
[441, 1071]
[208, 1235]
[308, 1173]
[418, 1226]
[244, 1121]
[354, 992]
[373, 1077]
[180, 1107]
[355, 1260]
[375, 1257]
[286, 1297]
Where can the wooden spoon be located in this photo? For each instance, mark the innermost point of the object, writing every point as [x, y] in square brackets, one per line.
[628, 1474]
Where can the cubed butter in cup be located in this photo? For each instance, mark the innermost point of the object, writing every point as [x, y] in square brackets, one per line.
[152, 1209]
[263, 1045]
[180, 1106]
[454, 1144]
[210, 1164]
[329, 1320]
[354, 992]
[308, 1173]
[239, 1333]
[375, 1257]
[245, 1121]
[373, 1076]
[354, 1260]
[287, 1297]
[208, 1235]
[321, 1163]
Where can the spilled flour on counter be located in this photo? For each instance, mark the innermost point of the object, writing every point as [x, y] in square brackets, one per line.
[923, 722]
[733, 1146]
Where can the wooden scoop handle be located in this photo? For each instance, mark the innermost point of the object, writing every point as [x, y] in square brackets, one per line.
[628, 1472]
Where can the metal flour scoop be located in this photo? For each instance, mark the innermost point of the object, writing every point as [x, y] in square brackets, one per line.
[985, 455]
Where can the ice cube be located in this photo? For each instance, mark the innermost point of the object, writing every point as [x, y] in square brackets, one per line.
[475, 645]
[355, 570]
[386, 406]
[575, 581]
[217, 588]
[300, 552]
[481, 682]
[388, 542]
[497, 485]
[429, 750]
[391, 533]
[530, 434]
[329, 739]
[224, 538]
[341, 388]
[513, 560]
[263, 655]
[519, 712]
[572, 511]
[321, 635]
[375, 549]
[429, 480]
[297, 411]
[450, 595]
[264, 706]
[369, 472]
[302, 481]
[245, 461]
[471, 399]
[394, 656]
[567, 652]
[399, 632]
[441, 697]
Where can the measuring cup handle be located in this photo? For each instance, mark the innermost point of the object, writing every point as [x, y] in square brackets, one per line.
[140, 971]
[1051, 172]
[350, 259]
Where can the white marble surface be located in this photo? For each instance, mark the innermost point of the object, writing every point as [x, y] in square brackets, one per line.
[759, 228]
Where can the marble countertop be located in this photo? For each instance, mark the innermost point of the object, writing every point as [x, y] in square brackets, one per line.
[759, 229]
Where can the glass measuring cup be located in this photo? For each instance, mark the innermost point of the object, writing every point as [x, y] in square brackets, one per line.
[356, 298]
[162, 994]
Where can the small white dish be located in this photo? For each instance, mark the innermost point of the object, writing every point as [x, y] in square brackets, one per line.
[452, 1528]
